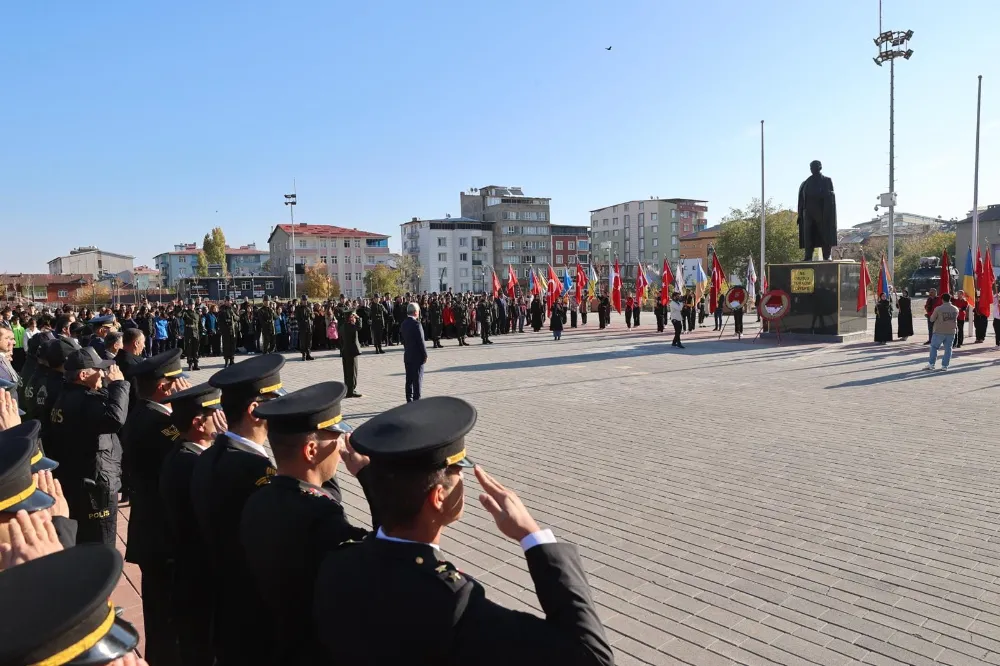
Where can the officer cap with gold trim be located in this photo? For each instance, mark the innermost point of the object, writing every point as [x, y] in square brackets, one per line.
[315, 407]
[423, 434]
[74, 625]
[166, 364]
[17, 489]
[30, 430]
[256, 376]
[202, 396]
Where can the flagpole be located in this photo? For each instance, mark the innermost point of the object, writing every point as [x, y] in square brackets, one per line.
[762, 206]
[975, 185]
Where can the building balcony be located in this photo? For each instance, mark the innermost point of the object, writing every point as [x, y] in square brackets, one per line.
[415, 249]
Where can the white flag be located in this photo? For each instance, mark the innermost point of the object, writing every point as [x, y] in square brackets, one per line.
[751, 283]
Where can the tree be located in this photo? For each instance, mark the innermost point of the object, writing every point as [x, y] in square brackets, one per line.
[319, 284]
[201, 268]
[92, 294]
[739, 238]
[408, 274]
[382, 280]
[214, 247]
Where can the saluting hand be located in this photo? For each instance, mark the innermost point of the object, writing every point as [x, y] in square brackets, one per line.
[179, 385]
[8, 411]
[353, 461]
[505, 506]
[51, 486]
[219, 420]
[31, 536]
[114, 374]
[131, 659]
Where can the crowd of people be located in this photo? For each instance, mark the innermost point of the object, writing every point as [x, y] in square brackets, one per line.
[236, 522]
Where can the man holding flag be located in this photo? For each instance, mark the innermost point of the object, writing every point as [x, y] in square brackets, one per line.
[662, 308]
[581, 278]
[615, 279]
[641, 287]
[592, 280]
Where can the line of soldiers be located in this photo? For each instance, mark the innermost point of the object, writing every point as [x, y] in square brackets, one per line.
[245, 552]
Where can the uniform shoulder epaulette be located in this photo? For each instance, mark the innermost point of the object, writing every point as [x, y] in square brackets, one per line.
[448, 574]
[349, 542]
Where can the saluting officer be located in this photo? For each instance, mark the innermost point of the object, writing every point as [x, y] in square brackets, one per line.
[197, 416]
[147, 438]
[229, 327]
[395, 583]
[290, 524]
[192, 336]
[304, 318]
[72, 619]
[231, 470]
[85, 421]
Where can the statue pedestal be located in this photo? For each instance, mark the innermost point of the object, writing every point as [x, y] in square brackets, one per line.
[824, 297]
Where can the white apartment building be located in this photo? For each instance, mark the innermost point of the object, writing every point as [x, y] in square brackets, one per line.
[455, 253]
[646, 230]
[347, 253]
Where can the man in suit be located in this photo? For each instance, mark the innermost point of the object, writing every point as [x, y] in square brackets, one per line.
[350, 350]
[396, 583]
[414, 351]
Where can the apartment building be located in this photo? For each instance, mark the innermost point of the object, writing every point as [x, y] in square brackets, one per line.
[644, 230]
[182, 262]
[348, 253]
[455, 252]
[570, 246]
[521, 225]
[91, 261]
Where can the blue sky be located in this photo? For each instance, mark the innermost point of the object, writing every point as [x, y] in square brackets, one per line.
[135, 126]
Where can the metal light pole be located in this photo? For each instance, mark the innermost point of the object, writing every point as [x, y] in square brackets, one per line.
[763, 267]
[290, 201]
[975, 185]
[892, 44]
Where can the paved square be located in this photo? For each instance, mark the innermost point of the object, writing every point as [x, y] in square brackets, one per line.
[734, 502]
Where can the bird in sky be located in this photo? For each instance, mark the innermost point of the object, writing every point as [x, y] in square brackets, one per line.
[608, 49]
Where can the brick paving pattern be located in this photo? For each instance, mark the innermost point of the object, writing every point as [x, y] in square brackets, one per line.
[735, 502]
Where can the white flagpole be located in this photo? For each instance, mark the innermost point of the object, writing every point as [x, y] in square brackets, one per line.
[975, 184]
[762, 200]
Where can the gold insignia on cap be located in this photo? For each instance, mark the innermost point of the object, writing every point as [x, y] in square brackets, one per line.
[217, 401]
[420, 560]
[270, 389]
[326, 424]
[172, 373]
[451, 460]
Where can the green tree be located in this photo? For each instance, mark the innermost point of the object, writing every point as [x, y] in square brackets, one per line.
[382, 280]
[739, 238]
[408, 274]
[201, 268]
[214, 247]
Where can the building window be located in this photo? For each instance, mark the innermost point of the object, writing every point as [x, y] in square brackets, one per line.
[571, 259]
[559, 259]
[570, 245]
[642, 220]
[605, 233]
[615, 247]
[628, 256]
[675, 253]
[442, 256]
[357, 276]
[673, 240]
[626, 208]
[463, 272]
[63, 294]
[614, 221]
[357, 242]
[350, 292]
[616, 233]
[463, 242]
[653, 217]
[245, 285]
[673, 227]
[333, 260]
[322, 242]
[656, 256]
[269, 284]
[605, 222]
[322, 259]
[463, 257]
[673, 214]
[527, 273]
[442, 242]
[656, 242]
[640, 205]
[357, 259]
[626, 232]
[182, 259]
[655, 228]
[347, 243]
[559, 245]
[626, 219]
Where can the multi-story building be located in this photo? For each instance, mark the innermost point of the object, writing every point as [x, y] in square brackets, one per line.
[570, 246]
[644, 230]
[700, 245]
[347, 253]
[454, 252]
[141, 278]
[90, 261]
[521, 225]
[182, 262]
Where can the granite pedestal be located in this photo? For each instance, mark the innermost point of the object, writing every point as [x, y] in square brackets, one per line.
[824, 301]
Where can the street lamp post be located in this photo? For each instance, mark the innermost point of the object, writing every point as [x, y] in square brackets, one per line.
[290, 201]
[892, 44]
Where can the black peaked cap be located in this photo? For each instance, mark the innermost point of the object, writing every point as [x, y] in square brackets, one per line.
[255, 376]
[423, 434]
[315, 407]
[164, 364]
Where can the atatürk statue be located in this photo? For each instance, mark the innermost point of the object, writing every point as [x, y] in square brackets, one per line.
[817, 213]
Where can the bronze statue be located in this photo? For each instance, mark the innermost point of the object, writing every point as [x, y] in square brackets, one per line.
[817, 213]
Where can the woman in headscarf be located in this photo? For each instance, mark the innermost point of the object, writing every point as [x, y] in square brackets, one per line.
[883, 320]
[904, 327]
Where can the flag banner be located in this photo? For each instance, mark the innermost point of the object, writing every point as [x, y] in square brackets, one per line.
[751, 282]
[511, 281]
[969, 277]
[641, 282]
[864, 281]
[883, 277]
[666, 281]
[945, 282]
[581, 279]
[616, 288]
[592, 283]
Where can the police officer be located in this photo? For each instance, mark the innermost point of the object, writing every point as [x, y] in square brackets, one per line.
[304, 318]
[196, 415]
[290, 524]
[192, 336]
[72, 620]
[484, 315]
[32, 381]
[85, 422]
[54, 353]
[224, 477]
[229, 328]
[148, 436]
[100, 327]
[394, 583]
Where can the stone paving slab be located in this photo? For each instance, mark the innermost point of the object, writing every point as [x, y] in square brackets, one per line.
[736, 502]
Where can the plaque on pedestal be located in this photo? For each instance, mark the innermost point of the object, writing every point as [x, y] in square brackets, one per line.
[824, 297]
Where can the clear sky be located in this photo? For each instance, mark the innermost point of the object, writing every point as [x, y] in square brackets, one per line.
[137, 125]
